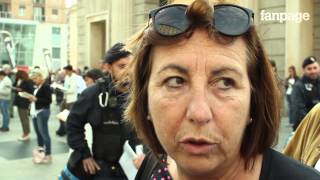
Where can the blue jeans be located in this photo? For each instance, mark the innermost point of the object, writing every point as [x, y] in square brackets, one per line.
[40, 123]
[4, 107]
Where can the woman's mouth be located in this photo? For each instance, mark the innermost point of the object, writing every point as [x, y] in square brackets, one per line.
[198, 146]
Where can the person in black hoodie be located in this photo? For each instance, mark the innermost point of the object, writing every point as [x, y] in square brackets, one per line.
[40, 111]
[101, 105]
[306, 92]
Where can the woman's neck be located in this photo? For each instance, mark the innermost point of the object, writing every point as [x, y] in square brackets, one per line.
[236, 171]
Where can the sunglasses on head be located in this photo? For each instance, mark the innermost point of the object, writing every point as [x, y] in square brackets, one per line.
[228, 19]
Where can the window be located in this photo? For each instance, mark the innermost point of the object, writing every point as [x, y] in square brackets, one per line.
[22, 10]
[39, 1]
[55, 12]
[56, 53]
[38, 14]
[55, 31]
[56, 36]
[4, 7]
[4, 10]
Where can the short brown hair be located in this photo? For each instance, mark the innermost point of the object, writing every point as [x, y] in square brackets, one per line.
[22, 75]
[265, 95]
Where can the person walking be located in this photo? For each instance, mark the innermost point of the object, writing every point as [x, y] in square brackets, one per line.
[40, 112]
[70, 91]
[23, 84]
[5, 95]
[290, 81]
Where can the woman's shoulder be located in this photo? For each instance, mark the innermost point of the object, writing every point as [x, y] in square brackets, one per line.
[277, 166]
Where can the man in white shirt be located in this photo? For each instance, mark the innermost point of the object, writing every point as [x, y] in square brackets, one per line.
[81, 84]
[5, 95]
[70, 91]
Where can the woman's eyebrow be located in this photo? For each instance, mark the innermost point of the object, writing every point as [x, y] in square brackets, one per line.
[174, 67]
[223, 70]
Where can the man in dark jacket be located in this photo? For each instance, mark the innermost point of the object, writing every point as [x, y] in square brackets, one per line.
[306, 92]
[101, 105]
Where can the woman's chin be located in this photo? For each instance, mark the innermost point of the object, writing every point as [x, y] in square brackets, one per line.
[199, 165]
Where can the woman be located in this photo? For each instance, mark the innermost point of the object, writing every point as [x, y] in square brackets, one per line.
[204, 95]
[290, 81]
[40, 111]
[23, 84]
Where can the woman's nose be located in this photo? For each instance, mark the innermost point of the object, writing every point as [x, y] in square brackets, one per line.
[198, 109]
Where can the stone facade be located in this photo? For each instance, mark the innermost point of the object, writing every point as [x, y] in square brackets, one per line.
[273, 32]
[105, 22]
[101, 23]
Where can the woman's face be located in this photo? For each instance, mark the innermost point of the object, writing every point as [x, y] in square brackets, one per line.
[37, 79]
[199, 101]
[291, 72]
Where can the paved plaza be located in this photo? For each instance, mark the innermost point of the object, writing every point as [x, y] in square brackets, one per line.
[16, 156]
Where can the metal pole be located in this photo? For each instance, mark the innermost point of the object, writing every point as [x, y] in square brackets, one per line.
[9, 44]
[47, 59]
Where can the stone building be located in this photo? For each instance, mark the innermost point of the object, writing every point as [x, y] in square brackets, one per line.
[34, 25]
[102, 23]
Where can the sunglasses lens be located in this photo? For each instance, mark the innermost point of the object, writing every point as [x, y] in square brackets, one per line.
[171, 21]
[230, 20]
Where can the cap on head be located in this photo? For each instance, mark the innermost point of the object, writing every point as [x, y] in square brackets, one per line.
[115, 53]
[308, 60]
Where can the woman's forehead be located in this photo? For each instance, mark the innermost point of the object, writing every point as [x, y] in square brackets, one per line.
[200, 42]
[201, 52]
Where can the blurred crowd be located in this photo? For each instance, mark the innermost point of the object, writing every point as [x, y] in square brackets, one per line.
[21, 88]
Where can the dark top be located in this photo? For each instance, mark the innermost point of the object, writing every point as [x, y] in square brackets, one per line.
[43, 97]
[275, 166]
[305, 94]
[87, 109]
[27, 86]
[286, 85]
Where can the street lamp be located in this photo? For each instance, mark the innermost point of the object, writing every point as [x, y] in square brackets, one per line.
[9, 44]
[47, 58]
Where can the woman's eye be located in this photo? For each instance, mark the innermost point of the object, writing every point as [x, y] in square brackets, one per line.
[225, 83]
[174, 82]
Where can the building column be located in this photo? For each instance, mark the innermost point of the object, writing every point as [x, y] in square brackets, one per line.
[299, 36]
[121, 21]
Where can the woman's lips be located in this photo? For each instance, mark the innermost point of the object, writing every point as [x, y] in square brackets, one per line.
[198, 146]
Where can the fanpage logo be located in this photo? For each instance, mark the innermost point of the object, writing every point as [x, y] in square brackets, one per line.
[282, 17]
